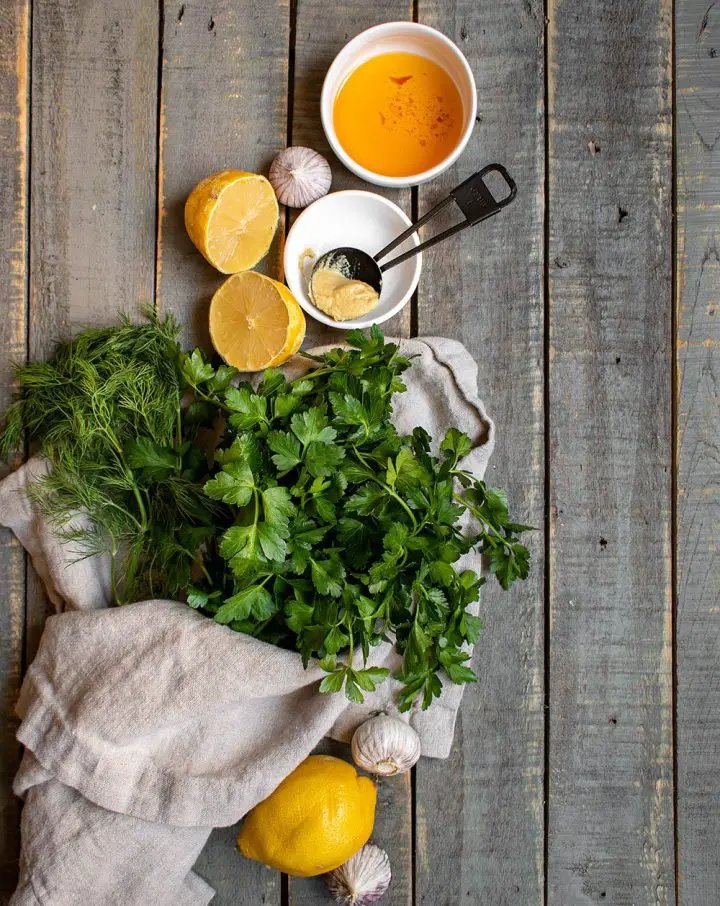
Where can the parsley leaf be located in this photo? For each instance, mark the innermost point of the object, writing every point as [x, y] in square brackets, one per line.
[247, 409]
[235, 484]
[368, 499]
[299, 615]
[273, 545]
[151, 458]
[327, 576]
[286, 450]
[244, 448]
[369, 678]
[255, 601]
[333, 682]
[323, 459]
[312, 425]
[239, 543]
[456, 445]
[195, 369]
[278, 508]
[221, 379]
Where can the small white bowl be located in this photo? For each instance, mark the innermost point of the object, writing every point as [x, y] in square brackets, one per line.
[400, 37]
[362, 220]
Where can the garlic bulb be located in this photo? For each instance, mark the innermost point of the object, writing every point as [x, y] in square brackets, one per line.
[385, 745]
[299, 176]
[363, 879]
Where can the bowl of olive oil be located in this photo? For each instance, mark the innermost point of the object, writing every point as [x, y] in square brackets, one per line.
[398, 104]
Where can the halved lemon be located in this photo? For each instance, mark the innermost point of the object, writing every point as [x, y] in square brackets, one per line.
[231, 218]
[255, 322]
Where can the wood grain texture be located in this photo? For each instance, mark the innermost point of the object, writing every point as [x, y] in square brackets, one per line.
[610, 818]
[93, 191]
[318, 38]
[237, 880]
[13, 343]
[93, 152]
[486, 289]
[224, 91]
[698, 449]
[224, 106]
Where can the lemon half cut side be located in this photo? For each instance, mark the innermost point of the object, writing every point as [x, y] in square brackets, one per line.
[255, 322]
[231, 218]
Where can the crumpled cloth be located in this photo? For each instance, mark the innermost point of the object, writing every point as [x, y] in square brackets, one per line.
[145, 726]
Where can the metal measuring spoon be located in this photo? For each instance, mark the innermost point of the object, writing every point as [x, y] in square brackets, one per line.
[474, 199]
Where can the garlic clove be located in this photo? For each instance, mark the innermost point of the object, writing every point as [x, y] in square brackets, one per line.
[363, 879]
[299, 176]
[385, 745]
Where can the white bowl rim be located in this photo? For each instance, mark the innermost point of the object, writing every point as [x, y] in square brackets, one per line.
[367, 320]
[370, 176]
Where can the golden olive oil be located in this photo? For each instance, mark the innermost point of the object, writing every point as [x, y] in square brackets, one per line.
[398, 114]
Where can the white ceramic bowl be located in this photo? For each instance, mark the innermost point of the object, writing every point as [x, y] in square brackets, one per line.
[404, 37]
[362, 220]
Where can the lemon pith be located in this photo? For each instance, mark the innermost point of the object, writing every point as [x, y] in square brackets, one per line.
[318, 817]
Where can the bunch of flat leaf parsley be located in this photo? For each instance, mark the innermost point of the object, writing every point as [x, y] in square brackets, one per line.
[344, 532]
[293, 512]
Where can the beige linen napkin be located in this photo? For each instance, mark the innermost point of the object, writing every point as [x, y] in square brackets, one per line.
[147, 725]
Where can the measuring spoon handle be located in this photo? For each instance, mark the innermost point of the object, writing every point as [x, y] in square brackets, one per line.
[474, 199]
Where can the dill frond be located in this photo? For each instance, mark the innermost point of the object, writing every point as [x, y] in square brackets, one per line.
[107, 391]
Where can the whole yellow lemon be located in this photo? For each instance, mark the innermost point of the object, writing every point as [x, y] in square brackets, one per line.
[317, 818]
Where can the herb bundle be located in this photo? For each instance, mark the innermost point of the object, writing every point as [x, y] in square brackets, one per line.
[308, 523]
[108, 413]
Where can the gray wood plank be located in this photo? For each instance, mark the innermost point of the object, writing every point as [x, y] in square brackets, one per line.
[93, 183]
[318, 38]
[13, 338]
[697, 33]
[610, 819]
[479, 833]
[237, 880]
[223, 105]
[93, 154]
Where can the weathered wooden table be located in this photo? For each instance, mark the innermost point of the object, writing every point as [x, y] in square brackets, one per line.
[586, 766]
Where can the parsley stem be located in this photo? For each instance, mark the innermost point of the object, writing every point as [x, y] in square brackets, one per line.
[388, 490]
[360, 457]
[351, 645]
[198, 562]
[213, 400]
[398, 498]
[318, 372]
[480, 518]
